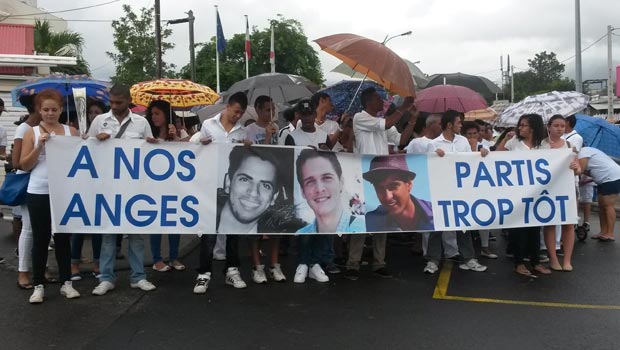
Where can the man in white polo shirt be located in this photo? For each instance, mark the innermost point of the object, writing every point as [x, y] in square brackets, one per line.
[372, 135]
[120, 123]
[223, 128]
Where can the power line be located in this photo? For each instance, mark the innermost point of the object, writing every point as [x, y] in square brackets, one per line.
[587, 47]
[62, 11]
[491, 71]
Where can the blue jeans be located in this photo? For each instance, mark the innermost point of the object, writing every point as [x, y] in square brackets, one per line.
[315, 249]
[173, 247]
[77, 242]
[135, 256]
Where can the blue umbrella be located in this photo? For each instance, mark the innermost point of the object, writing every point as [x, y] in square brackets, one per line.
[342, 93]
[600, 134]
[95, 89]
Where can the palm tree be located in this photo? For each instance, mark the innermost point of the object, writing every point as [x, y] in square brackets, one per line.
[65, 43]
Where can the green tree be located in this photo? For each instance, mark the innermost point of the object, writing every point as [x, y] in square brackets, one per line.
[65, 43]
[293, 55]
[544, 75]
[134, 40]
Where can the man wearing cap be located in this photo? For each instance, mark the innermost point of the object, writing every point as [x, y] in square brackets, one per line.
[307, 134]
[399, 210]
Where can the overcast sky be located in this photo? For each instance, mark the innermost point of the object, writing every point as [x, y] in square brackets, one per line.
[448, 35]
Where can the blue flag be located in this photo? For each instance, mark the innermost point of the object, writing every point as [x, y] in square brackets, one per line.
[221, 41]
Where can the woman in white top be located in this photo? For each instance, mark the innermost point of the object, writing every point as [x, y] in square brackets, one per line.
[161, 120]
[33, 159]
[556, 127]
[525, 241]
[24, 245]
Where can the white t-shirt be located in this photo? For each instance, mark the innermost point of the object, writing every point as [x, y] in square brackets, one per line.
[371, 136]
[514, 144]
[329, 126]
[20, 131]
[419, 145]
[284, 132]
[574, 139]
[602, 168]
[256, 134]
[213, 129]
[139, 127]
[3, 139]
[457, 145]
[302, 138]
[38, 183]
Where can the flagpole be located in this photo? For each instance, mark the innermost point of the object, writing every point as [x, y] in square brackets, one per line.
[272, 53]
[217, 56]
[247, 60]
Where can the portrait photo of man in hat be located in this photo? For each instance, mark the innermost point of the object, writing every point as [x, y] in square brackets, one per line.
[398, 209]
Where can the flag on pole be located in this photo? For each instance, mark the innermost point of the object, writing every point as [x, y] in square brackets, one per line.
[221, 41]
[248, 51]
[272, 54]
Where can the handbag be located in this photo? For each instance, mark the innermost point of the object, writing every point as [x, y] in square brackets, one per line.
[14, 187]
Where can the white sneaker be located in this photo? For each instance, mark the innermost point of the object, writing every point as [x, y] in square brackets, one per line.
[233, 278]
[301, 273]
[277, 274]
[473, 265]
[202, 283]
[431, 268]
[258, 274]
[317, 273]
[68, 291]
[143, 285]
[488, 255]
[37, 295]
[103, 287]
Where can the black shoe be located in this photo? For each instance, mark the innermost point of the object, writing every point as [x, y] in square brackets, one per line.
[340, 262]
[559, 252]
[1, 260]
[332, 269]
[352, 275]
[456, 258]
[383, 272]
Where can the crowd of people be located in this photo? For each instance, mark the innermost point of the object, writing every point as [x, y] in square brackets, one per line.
[387, 135]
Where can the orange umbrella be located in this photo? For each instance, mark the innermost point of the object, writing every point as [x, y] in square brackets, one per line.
[482, 114]
[372, 58]
[182, 94]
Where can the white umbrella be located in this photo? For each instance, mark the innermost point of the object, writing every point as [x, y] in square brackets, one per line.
[564, 103]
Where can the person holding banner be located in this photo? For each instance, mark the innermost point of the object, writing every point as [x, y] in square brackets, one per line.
[450, 141]
[121, 123]
[307, 134]
[526, 240]
[372, 135]
[162, 122]
[223, 128]
[33, 159]
[555, 128]
[606, 174]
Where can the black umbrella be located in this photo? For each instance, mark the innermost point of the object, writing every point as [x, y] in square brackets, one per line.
[479, 84]
[282, 88]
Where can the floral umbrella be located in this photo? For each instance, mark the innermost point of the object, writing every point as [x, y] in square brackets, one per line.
[564, 103]
[181, 94]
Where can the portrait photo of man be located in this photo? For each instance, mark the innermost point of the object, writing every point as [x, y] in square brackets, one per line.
[398, 208]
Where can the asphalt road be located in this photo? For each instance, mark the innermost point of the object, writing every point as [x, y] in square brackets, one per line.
[453, 309]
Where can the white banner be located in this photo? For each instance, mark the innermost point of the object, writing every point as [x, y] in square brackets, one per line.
[130, 186]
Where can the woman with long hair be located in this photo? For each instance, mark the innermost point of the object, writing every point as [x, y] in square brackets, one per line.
[526, 240]
[33, 159]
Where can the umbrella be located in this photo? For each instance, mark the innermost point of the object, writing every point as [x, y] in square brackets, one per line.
[95, 89]
[440, 98]
[482, 114]
[419, 78]
[600, 134]
[371, 58]
[479, 84]
[181, 94]
[555, 102]
[282, 88]
[343, 92]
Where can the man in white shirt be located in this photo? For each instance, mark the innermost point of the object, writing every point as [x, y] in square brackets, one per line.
[307, 134]
[292, 118]
[571, 135]
[223, 128]
[432, 129]
[264, 131]
[121, 123]
[450, 141]
[372, 135]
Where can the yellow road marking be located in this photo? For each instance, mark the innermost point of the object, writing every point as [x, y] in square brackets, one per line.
[441, 292]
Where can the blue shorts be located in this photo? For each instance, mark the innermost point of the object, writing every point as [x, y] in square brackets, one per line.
[609, 188]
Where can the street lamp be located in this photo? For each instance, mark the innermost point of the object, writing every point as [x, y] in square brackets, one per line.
[189, 19]
[395, 36]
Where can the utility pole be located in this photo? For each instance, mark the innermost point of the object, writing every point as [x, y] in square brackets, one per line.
[512, 84]
[157, 40]
[189, 19]
[578, 82]
[610, 94]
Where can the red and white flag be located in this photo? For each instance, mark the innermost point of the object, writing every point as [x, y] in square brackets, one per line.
[248, 50]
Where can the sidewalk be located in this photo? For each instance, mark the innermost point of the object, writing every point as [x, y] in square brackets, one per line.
[8, 243]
